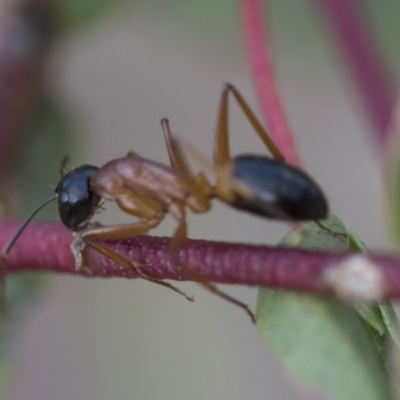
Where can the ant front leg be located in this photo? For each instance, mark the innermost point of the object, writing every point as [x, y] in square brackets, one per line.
[91, 237]
[126, 264]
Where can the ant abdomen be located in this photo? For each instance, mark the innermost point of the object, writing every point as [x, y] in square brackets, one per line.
[276, 190]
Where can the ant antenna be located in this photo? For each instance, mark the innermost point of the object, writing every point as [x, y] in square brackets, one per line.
[8, 247]
[10, 244]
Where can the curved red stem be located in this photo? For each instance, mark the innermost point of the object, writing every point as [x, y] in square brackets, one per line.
[375, 85]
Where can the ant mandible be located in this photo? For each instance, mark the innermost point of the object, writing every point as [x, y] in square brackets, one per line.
[146, 189]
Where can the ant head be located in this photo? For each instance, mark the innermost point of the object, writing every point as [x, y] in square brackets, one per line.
[76, 201]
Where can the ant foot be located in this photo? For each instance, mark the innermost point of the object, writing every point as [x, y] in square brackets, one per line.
[77, 247]
[331, 232]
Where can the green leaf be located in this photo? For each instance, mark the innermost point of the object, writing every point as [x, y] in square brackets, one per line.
[77, 13]
[313, 237]
[323, 341]
[380, 316]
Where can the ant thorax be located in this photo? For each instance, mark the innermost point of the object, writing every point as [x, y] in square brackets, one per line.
[130, 176]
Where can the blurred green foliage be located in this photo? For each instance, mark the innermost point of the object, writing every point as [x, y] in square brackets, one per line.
[335, 348]
[79, 13]
[48, 138]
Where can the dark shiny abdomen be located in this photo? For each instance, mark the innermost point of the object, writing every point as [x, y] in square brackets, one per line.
[279, 190]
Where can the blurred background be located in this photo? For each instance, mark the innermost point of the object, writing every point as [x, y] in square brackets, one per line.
[113, 79]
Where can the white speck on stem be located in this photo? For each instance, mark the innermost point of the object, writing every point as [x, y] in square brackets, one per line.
[355, 278]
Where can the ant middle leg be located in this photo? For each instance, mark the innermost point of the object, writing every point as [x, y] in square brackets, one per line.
[199, 188]
[199, 201]
[177, 242]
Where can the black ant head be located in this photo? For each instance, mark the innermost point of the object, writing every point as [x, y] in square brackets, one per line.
[76, 201]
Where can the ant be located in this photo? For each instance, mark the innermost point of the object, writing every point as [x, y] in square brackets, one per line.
[146, 189]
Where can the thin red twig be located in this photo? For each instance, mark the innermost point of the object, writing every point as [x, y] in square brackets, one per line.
[264, 79]
[373, 81]
[46, 247]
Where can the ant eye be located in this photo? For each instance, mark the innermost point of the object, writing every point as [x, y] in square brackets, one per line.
[76, 202]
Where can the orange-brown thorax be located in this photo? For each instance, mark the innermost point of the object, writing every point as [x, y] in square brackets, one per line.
[132, 174]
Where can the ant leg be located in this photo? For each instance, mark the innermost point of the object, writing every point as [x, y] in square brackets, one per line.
[199, 186]
[222, 153]
[126, 264]
[214, 289]
[180, 235]
[330, 231]
[121, 231]
[201, 189]
[63, 165]
[176, 243]
[91, 235]
[194, 153]
[96, 233]
[149, 211]
[222, 146]
[168, 140]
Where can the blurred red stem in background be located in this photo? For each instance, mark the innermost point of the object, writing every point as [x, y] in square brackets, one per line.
[368, 71]
[24, 41]
[264, 79]
[46, 247]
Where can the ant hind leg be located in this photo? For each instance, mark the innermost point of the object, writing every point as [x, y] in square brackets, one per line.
[222, 152]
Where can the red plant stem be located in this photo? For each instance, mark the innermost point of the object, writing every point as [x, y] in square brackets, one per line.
[46, 247]
[371, 77]
[264, 79]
